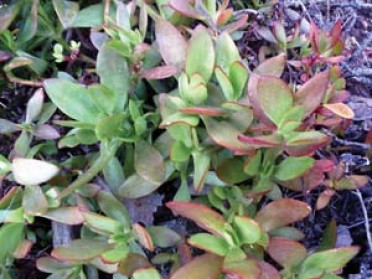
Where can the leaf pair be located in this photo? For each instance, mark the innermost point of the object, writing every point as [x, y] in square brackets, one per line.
[293, 257]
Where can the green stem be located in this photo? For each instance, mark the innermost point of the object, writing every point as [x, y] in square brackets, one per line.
[103, 159]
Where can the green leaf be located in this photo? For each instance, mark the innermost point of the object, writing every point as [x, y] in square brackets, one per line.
[172, 45]
[114, 175]
[226, 51]
[5, 166]
[10, 237]
[242, 269]
[8, 127]
[201, 166]
[180, 152]
[110, 127]
[66, 11]
[149, 163]
[202, 267]
[135, 187]
[202, 215]
[101, 224]
[33, 172]
[86, 136]
[272, 67]
[91, 16]
[66, 215]
[311, 94]
[281, 212]
[34, 106]
[114, 73]
[224, 134]
[330, 276]
[329, 236]
[8, 13]
[327, 261]
[113, 208]
[146, 273]
[103, 97]
[51, 265]
[288, 253]
[120, 47]
[253, 164]
[200, 45]
[293, 167]
[288, 232]
[180, 118]
[306, 138]
[72, 99]
[226, 86]
[116, 255]
[34, 201]
[163, 237]
[248, 230]
[231, 171]
[209, 243]
[81, 250]
[270, 89]
[238, 76]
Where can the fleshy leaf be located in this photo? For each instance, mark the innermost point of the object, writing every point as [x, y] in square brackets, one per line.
[10, 237]
[66, 11]
[172, 45]
[272, 67]
[202, 267]
[281, 212]
[135, 187]
[274, 97]
[8, 127]
[34, 106]
[293, 167]
[115, 255]
[32, 172]
[202, 215]
[225, 84]
[146, 273]
[311, 94]
[201, 166]
[248, 230]
[103, 98]
[72, 99]
[163, 237]
[224, 134]
[327, 261]
[231, 171]
[200, 45]
[34, 201]
[143, 237]
[113, 208]
[226, 51]
[149, 163]
[114, 73]
[286, 252]
[81, 250]
[341, 110]
[246, 269]
[160, 72]
[306, 138]
[209, 111]
[238, 76]
[101, 224]
[209, 243]
[65, 215]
